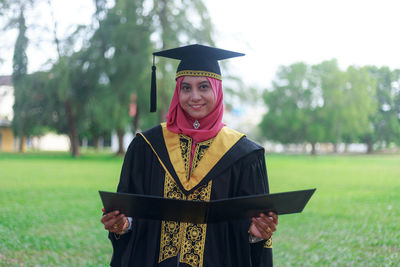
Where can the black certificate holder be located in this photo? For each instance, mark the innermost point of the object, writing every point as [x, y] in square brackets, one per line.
[158, 208]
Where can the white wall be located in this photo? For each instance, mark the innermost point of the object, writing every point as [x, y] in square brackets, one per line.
[6, 102]
[51, 142]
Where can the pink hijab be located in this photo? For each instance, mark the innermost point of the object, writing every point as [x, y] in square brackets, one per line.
[179, 122]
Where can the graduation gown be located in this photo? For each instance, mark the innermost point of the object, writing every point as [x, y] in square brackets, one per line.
[157, 163]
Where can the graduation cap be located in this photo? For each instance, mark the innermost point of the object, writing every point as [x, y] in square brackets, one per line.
[196, 60]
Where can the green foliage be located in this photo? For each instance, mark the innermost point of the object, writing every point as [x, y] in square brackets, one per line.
[32, 105]
[360, 102]
[386, 120]
[293, 107]
[321, 103]
[20, 66]
[20, 60]
[330, 86]
[50, 209]
[176, 23]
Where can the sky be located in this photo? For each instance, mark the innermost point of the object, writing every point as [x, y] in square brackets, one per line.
[270, 33]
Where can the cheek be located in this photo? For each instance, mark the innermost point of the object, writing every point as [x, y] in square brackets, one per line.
[182, 99]
[211, 99]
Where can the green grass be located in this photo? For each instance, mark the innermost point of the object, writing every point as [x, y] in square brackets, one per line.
[50, 210]
[353, 219]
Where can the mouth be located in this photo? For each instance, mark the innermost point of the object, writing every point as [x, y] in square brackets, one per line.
[197, 106]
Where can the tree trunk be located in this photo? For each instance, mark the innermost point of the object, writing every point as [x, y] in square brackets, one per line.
[369, 146]
[120, 134]
[136, 120]
[335, 148]
[22, 144]
[73, 134]
[313, 150]
[97, 143]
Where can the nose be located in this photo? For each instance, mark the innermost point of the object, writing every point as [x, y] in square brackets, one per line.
[195, 94]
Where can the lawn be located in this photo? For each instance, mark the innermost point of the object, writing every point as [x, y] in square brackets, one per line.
[50, 209]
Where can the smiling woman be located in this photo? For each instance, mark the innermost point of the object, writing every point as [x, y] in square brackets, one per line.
[196, 96]
[193, 156]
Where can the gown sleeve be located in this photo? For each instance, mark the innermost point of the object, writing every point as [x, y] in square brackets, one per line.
[255, 181]
[120, 242]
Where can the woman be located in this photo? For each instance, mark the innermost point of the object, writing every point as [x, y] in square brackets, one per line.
[193, 156]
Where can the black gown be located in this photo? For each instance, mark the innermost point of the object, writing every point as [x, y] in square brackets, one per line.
[150, 167]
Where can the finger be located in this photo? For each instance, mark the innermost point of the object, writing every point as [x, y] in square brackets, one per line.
[120, 225]
[269, 222]
[103, 209]
[261, 228]
[109, 215]
[115, 224]
[274, 217]
[268, 227]
[109, 221]
[260, 222]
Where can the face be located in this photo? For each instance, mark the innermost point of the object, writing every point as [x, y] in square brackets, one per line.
[196, 96]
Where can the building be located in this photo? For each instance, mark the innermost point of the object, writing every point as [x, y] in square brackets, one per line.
[8, 142]
[7, 139]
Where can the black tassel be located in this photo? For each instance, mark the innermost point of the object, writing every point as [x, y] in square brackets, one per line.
[153, 92]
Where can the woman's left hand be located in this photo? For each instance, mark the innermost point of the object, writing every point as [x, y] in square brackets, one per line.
[264, 226]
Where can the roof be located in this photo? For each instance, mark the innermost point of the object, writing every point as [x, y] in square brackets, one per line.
[5, 123]
[5, 80]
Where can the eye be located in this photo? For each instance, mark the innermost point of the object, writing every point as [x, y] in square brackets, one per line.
[204, 86]
[185, 88]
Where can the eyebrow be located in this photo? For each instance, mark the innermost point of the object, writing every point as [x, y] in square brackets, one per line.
[205, 82]
[186, 83]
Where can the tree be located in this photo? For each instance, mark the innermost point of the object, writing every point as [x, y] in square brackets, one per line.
[294, 107]
[177, 23]
[330, 85]
[20, 66]
[122, 58]
[386, 120]
[360, 105]
[68, 86]
[320, 104]
[119, 50]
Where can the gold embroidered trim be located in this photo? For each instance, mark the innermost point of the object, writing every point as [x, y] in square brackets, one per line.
[199, 152]
[154, 151]
[188, 238]
[186, 147]
[170, 231]
[268, 243]
[198, 73]
[222, 142]
[193, 243]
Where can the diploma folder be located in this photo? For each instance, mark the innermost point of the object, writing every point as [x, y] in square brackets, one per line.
[159, 208]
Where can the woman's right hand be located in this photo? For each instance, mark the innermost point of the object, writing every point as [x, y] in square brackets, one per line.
[115, 222]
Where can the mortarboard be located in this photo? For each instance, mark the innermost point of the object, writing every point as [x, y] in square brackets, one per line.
[196, 60]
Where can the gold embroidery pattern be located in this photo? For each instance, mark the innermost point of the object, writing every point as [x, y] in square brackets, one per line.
[199, 152]
[170, 237]
[198, 73]
[192, 249]
[268, 243]
[186, 147]
[188, 238]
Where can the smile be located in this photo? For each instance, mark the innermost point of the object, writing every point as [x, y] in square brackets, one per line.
[196, 106]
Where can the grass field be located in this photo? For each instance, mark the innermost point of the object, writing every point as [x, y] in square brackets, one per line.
[50, 210]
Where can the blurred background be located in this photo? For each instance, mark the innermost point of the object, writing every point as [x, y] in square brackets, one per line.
[319, 78]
